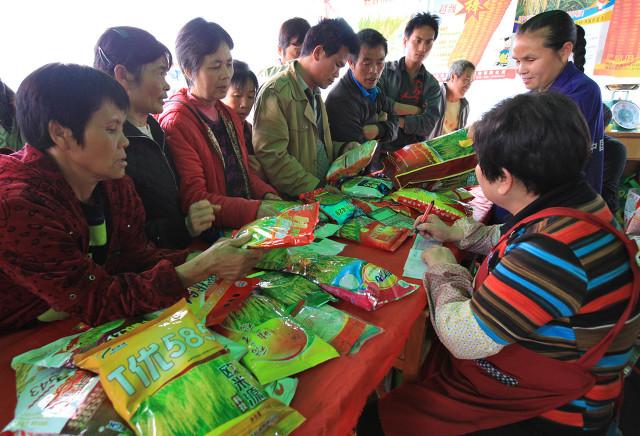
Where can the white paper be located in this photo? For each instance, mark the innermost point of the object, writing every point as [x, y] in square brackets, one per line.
[415, 267]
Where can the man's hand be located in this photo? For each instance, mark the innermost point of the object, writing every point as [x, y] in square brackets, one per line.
[406, 109]
[433, 256]
[370, 131]
[201, 216]
[437, 229]
[401, 122]
[271, 196]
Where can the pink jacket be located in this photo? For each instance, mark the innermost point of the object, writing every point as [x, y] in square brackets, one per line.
[201, 170]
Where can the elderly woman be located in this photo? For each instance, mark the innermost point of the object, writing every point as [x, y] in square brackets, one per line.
[537, 343]
[205, 136]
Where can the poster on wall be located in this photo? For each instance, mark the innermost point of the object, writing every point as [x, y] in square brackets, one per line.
[479, 31]
[621, 54]
[593, 15]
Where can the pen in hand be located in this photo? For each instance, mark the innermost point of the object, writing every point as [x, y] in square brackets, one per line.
[424, 216]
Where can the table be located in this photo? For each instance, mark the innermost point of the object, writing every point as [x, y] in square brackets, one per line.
[330, 396]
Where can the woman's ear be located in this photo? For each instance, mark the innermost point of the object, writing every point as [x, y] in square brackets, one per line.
[566, 50]
[505, 182]
[123, 76]
[60, 135]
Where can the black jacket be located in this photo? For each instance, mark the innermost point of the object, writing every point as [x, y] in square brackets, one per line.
[151, 167]
[349, 111]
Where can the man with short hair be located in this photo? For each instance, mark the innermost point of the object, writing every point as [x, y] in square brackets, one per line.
[290, 39]
[407, 81]
[356, 108]
[291, 135]
[139, 62]
[71, 224]
[456, 107]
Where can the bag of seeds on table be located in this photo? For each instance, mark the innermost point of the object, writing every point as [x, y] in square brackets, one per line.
[375, 234]
[277, 346]
[352, 162]
[170, 376]
[338, 207]
[290, 228]
[446, 208]
[345, 332]
[288, 289]
[62, 401]
[435, 159]
[366, 187]
[354, 280]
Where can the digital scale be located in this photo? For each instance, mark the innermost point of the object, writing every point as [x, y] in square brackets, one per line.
[625, 113]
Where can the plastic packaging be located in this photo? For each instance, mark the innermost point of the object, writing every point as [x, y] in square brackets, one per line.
[289, 228]
[145, 370]
[352, 162]
[277, 346]
[290, 289]
[446, 208]
[375, 234]
[439, 158]
[366, 187]
[336, 206]
[343, 331]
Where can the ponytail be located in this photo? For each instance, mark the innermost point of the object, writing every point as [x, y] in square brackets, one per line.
[579, 48]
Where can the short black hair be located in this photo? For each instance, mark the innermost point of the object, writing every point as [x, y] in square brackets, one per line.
[371, 38]
[293, 29]
[332, 34]
[128, 46]
[243, 75]
[541, 138]
[422, 19]
[67, 93]
[197, 39]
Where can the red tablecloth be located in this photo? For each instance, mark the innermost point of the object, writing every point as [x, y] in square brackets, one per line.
[330, 395]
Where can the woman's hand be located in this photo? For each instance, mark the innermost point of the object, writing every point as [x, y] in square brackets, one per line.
[201, 216]
[433, 256]
[437, 229]
[271, 196]
[266, 209]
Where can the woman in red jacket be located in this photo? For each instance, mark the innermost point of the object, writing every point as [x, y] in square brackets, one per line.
[205, 136]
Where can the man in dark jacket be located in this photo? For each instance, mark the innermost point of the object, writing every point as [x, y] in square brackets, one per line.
[140, 63]
[455, 108]
[356, 108]
[407, 81]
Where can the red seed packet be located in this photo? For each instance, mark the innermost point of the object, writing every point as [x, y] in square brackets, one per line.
[446, 208]
[373, 233]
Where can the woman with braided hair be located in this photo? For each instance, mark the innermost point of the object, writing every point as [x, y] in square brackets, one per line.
[542, 48]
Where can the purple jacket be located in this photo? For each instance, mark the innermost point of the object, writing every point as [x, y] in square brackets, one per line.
[586, 94]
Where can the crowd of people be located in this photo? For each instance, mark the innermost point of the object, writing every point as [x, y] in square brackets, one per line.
[536, 343]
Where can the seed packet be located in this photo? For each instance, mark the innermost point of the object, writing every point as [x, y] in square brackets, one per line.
[290, 289]
[343, 331]
[446, 208]
[277, 346]
[147, 369]
[374, 234]
[352, 162]
[62, 401]
[366, 187]
[368, 207]
[354, 280]
[289, 228]
[222, 297]
[336, 206]
[282, 390]
[388, 216]
[439, 158]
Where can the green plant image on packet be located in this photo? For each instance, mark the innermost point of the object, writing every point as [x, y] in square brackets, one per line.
[290, 289]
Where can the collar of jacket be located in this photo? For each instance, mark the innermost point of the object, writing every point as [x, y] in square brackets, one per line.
[131, 131]
[399, 65]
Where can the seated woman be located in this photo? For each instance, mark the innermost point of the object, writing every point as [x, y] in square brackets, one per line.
[538, 344]
[139, 62]
[241, 96]
[71, 224]
[205, 136]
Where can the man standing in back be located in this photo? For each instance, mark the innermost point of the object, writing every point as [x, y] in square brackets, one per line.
[291, 134]
[407, 81]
